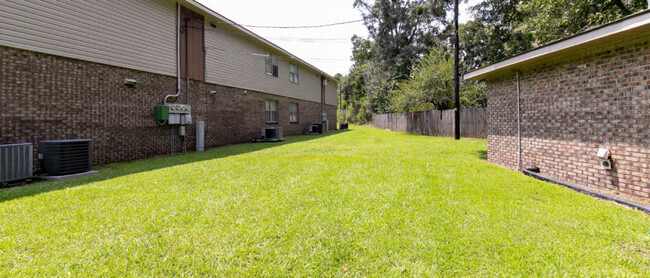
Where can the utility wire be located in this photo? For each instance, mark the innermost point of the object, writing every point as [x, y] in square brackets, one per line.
[293, 27]
[290, 39]
[208, 48]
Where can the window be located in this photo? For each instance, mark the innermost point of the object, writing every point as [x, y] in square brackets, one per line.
[271, 111]
[271, 65]
[293, 112]
[293, 73]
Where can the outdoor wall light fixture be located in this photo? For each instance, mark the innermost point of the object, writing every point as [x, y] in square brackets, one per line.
[130, 82]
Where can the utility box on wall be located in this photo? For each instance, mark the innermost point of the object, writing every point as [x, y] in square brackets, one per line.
[200, 134]
[162, 112]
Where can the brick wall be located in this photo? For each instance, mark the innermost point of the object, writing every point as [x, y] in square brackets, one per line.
[46, 97]
[571, 106]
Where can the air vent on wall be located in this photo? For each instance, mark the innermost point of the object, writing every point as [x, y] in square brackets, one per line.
[64, 157]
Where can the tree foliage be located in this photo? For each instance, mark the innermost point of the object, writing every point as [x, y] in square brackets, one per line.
[405, 63]
[431, 87]
[403, 31]
[504, 28]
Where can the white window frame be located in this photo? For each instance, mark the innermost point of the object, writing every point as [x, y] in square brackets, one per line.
[293, 112]
[293, 73]
[271, 111]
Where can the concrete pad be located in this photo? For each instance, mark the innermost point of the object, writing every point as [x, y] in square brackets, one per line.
[71, 176]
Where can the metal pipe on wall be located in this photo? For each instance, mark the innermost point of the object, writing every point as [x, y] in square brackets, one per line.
[518, 124]
[178, 53]
[187, 58]
[171, 134]
[456, 76]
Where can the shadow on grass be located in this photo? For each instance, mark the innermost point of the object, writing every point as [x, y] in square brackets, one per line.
[481, 154]
[114, 170]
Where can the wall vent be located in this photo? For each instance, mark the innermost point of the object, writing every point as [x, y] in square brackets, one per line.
[16, 161]
[64, 157]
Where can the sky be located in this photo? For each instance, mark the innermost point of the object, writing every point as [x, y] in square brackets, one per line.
[328, 49]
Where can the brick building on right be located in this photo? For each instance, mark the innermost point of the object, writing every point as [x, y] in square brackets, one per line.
[555, 106]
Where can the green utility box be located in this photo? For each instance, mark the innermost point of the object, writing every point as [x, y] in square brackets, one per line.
[162, 112]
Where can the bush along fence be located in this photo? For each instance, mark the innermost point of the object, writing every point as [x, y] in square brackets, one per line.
[473, 122]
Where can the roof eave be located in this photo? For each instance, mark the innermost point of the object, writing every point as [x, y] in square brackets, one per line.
[637, 22]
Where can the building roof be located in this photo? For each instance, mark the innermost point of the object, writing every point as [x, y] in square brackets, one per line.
[616, 30]
[205, 10]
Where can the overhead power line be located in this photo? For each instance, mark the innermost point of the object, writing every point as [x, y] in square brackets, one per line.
[236, 51]
[295, 27]
[289, 39]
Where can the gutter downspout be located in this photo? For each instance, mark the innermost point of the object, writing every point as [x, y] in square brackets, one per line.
[322, 102]
[518, 124]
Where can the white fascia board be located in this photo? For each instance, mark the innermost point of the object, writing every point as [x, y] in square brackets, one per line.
[627, 24]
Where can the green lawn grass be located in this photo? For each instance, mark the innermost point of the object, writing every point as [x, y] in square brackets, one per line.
[362, 202]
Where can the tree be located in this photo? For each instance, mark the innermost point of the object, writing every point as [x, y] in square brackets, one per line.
[551, 20]
[494, 34]
[504, 28]
[403, 30]
[394, 70]
[431, 86]
[353, 84]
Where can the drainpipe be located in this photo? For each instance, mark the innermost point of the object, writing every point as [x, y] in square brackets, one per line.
[322, 101]
[518, 124]
[187, 58]
[178, 71]
[322, 94]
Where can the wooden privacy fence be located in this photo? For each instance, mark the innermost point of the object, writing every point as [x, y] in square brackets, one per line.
[473, 122]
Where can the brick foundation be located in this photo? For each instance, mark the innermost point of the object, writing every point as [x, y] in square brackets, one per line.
[572, 106]
[48, 97]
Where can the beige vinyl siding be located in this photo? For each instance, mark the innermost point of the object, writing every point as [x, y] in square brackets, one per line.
[135, 34]
[331, 91]
[237, 61]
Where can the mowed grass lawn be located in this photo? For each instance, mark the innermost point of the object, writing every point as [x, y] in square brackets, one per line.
[362, 202]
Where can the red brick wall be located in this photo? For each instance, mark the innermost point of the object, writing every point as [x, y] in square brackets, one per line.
[570, 107]
[47, 97]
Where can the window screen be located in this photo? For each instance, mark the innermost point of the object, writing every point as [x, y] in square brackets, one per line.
[293, 112]
[271, 111]
[271, 65]
[293, 73]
